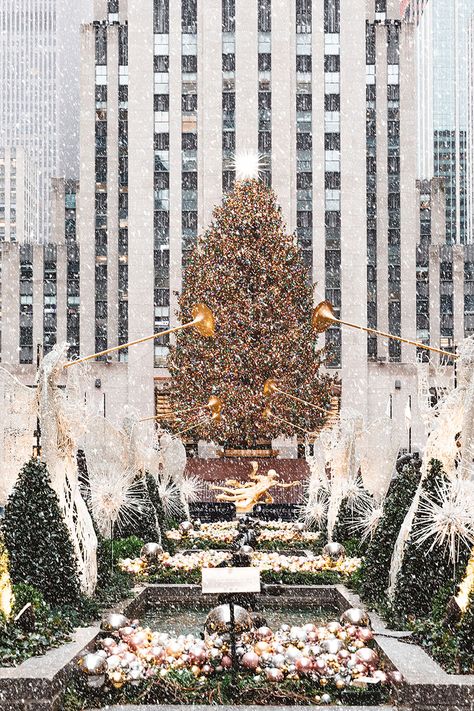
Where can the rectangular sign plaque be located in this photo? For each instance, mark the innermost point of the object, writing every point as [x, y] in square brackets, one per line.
[230, 580]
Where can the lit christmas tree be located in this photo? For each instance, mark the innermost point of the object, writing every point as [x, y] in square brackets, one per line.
[250, 274]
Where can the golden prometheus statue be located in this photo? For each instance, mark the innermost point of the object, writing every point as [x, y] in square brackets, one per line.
[246, 494]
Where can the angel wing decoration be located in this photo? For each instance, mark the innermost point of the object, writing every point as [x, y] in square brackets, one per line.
[432, 378]
[343, 464]
[143, 445]
[116, 491]
[378, 448]
[173, 454]
[466, 378]
[62, 419]
[17, 425]
[104, 442]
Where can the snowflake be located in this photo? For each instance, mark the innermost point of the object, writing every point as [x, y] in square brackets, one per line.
[447, 517]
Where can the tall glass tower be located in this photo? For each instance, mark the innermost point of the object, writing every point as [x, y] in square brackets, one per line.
[39, 89]
[442, 58]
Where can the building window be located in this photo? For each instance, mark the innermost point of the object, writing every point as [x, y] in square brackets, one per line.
[228, 15]
[189, 16]
[264, 16]
[101, 45]
[303, 16]
[161, 16]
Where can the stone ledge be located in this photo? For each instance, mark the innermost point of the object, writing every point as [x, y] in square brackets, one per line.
[426, 687]
[37, 683]
[250, 708]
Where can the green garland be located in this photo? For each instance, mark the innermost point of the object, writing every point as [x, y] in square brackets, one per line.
[183, 688]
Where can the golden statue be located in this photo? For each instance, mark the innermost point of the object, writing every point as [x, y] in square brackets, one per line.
[246, 494]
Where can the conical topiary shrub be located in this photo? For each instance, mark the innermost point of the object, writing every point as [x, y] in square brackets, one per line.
[374, 574]
[37, 539]
[465, 636]
[427, 566]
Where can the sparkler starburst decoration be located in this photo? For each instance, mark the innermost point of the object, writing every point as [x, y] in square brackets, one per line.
[367, 517]
[354, 492]
[169, 496]
[315, 508]
[191, 488]
[115, 497]
[446, 517]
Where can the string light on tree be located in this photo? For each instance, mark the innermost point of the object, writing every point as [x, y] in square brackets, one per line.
[248, 165]
[250, 274]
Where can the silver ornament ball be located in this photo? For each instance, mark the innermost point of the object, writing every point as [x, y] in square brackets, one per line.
[334, 551]
[114, 622]
[218, 620]
[332, 646]
[151, 551]
[355, 616]
[93, 665]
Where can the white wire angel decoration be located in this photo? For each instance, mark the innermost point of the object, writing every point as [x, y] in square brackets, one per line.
[18, 421]
[62, 419]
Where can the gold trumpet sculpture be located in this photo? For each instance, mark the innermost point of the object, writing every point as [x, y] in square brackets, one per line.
[323, 317]
[214, 405]
[271, 388]
[216, 417]
[267, 414]
[203, 321]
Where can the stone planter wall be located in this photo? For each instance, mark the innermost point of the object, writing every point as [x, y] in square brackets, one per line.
[36, 684]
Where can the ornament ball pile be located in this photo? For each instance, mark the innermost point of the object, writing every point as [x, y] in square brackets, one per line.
[336, 655]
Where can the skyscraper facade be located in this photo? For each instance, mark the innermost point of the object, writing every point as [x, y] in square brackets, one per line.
[170, 93]
[18, 196]
[442, 72]
[39, 90]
